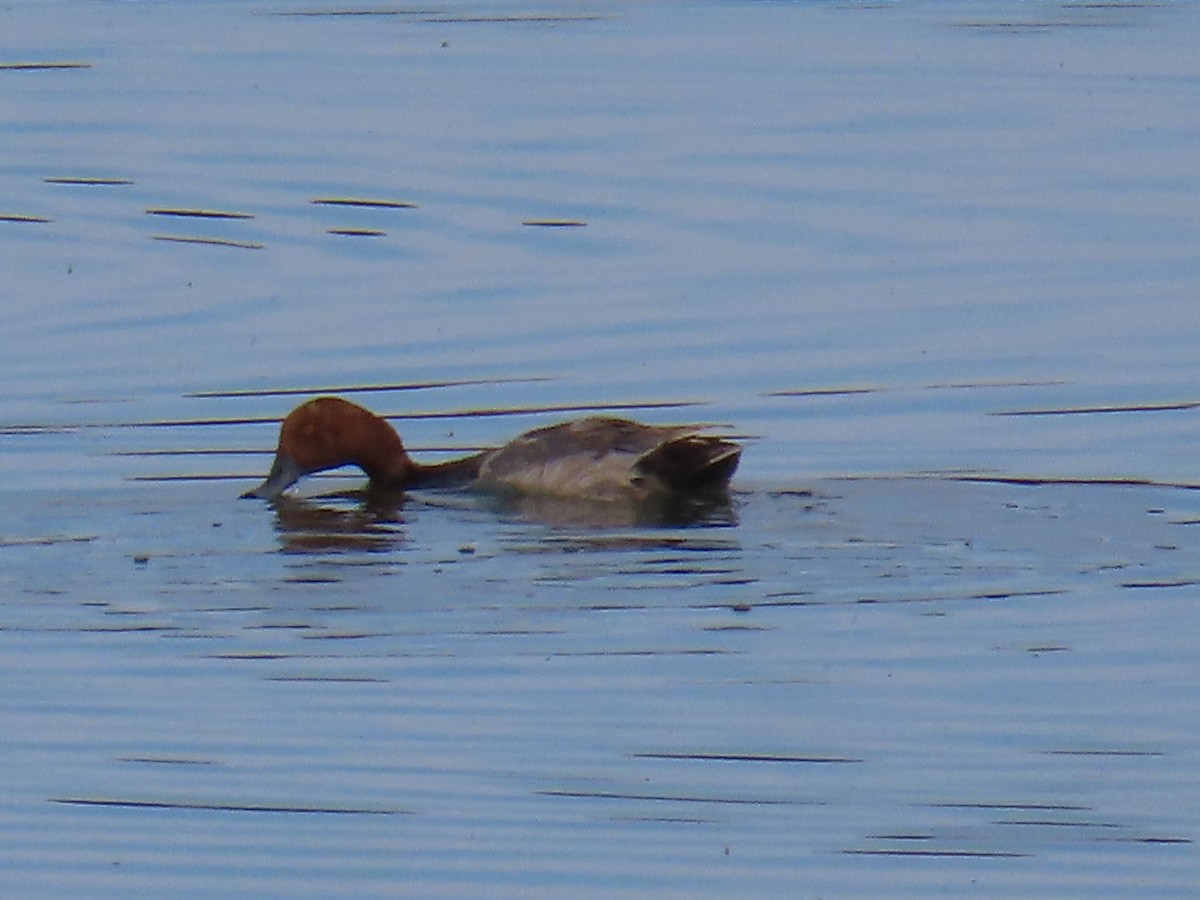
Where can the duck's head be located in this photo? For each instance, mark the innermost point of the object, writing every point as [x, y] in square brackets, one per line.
[329, 432]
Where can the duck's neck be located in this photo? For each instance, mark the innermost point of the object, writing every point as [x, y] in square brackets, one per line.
[447, 474]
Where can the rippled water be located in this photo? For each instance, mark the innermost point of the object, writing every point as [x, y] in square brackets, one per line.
[934, 262]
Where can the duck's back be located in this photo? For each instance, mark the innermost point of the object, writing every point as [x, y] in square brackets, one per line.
[607, 458]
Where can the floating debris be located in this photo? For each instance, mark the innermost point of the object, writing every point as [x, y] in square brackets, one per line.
[16, 217]
[555, 223]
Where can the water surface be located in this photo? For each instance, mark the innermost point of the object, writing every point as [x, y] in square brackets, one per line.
[933, 261]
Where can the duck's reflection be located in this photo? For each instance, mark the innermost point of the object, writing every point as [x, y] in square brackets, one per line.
[366, 521]
[653, 512]
[373, 520]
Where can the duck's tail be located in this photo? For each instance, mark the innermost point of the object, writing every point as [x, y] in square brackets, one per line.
[691, 463]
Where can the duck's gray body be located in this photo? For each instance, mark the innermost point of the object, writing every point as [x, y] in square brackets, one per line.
[605, 458]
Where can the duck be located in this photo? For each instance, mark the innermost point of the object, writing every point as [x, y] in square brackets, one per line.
[593, 458]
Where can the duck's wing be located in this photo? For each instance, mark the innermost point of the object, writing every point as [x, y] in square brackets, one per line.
[601, 457]
[592, 439]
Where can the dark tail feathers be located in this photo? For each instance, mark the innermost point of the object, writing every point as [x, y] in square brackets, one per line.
[692, 463]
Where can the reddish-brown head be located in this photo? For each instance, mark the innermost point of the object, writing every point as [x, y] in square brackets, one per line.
[329, 432]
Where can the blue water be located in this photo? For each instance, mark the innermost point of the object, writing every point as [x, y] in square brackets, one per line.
[917, 255]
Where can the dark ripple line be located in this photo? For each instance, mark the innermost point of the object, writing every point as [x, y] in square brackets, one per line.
[364, 388]
[220, 807]
[1040, 481]
[511, 20]
[198, 213]
[42, 66]
[207, 241]
[700, 651]
[490, 412]
[363, 202]
[963, 854]
[1043, 807]
[85, 181]
[1140, 585]
[748, 757]
[673, 798]
[1051, 823]
[1118, 753]
[356, 232]
[321, 13]
[1100, 410]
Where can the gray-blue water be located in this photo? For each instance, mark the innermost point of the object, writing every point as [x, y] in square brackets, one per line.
[934, 262]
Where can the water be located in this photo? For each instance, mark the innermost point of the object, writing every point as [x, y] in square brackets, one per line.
[934, 261]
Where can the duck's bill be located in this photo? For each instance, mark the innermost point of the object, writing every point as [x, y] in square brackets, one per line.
[284, 473]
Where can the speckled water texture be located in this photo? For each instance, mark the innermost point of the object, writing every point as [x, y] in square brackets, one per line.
[934, 263]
